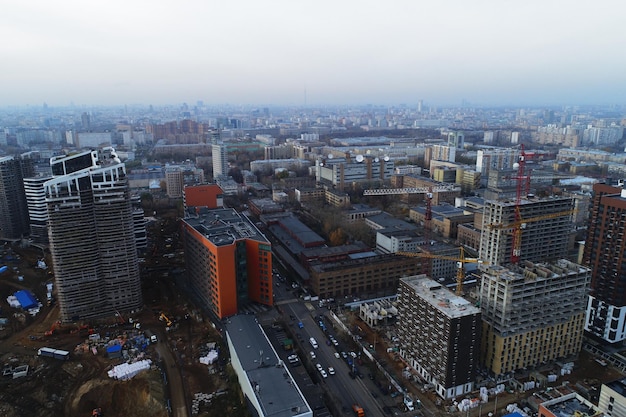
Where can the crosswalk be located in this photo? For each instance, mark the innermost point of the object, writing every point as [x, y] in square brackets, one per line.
[254, 308]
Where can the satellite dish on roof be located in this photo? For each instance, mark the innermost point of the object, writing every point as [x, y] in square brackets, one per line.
[376, 159]
[359, 158]
[330, 156]
[386, 158]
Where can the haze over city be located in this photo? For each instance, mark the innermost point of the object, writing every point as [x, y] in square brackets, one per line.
[310, 53]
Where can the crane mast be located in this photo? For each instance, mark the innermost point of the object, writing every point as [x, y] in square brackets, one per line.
[516, 246]
[522, 186]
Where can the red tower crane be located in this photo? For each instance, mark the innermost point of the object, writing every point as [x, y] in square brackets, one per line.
[428, 214]
[523, 185]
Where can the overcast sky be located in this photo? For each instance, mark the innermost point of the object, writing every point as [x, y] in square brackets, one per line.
[293, 52]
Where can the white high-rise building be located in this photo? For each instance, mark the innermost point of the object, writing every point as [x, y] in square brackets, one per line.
[444, 153]
[498, 159]
[92, 236]
[456, 139]
[37, 208]
[220, 160]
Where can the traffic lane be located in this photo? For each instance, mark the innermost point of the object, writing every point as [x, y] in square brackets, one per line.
[352, 389]
[359, 393]
[342, 386]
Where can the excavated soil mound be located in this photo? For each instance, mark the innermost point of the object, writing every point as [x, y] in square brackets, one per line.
[141, 396]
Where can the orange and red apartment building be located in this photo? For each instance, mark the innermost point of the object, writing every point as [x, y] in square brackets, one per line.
[228, 260]
[208, 195]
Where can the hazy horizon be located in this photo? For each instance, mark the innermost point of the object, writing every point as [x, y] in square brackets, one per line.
[288, 53]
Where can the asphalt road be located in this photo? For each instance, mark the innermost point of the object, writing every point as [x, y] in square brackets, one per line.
[341, 386]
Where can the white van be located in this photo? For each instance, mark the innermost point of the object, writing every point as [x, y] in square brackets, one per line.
[313, 342]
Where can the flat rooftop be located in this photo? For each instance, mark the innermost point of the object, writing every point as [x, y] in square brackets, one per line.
[224, 226]
[330, 251]
[275, 388]
[618, 386]
[440, 297]
[387, 221]
[361, 208]
[570, 407]
[305, 235]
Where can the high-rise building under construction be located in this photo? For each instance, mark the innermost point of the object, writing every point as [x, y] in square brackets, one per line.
[92, 238]
[545, 225]
[533, 313]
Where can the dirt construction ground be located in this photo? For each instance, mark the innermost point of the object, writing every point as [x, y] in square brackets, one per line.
[78, 386]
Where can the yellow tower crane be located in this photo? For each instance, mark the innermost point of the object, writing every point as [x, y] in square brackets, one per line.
[461, 260]
[521, 224]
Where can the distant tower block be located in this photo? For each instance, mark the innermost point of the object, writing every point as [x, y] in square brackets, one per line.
[514, 138]
[456, 139]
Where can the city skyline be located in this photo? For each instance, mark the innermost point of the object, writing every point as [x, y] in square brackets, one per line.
[293, 53]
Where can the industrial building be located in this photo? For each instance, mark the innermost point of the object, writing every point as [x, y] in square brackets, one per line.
[228, 260]
[605, 254]
[364, 273]
[546, 224]
[442, 192]
[92, 236]
[358, 212]
[445, 218]
[263, 165]
[266, 383]
[342, 173]
[533, 313]
[308, 195]
[439, 335]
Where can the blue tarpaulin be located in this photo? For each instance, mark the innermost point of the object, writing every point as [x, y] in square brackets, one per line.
[26, 299]
[114, 348]
[114, 351]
